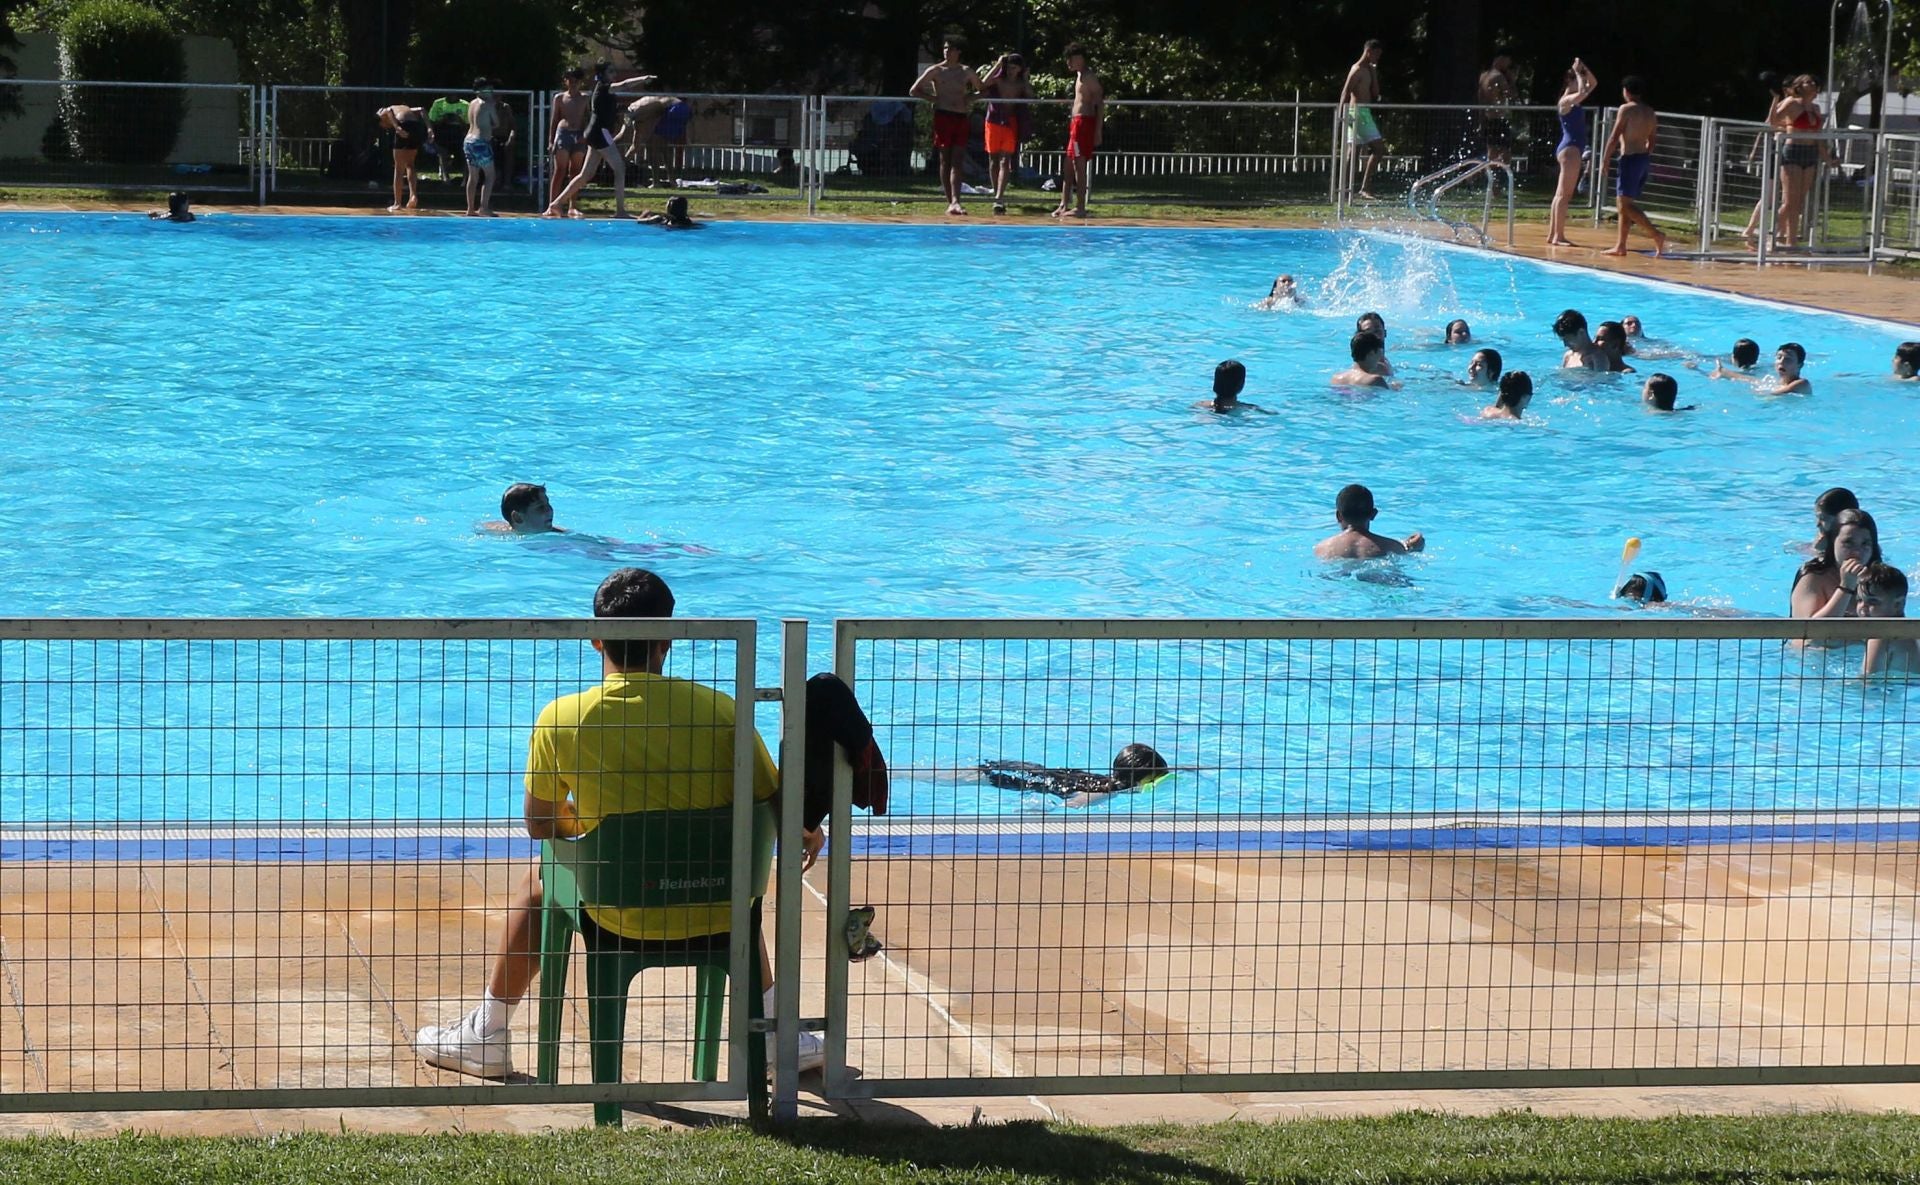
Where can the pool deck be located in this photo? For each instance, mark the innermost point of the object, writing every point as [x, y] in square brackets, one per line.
[215, 975]
[1847, 288]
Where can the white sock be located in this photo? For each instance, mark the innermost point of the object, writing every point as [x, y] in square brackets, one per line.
[495, 1014]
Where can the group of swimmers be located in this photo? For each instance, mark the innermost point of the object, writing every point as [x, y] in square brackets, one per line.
[1846, 576]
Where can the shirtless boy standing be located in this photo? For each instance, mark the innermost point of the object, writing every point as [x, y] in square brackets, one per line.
[950, 85]
[567, 149]
[1635, 127]
[479, 150]
[1363, 132]
[1495, 94]
[1083, 133]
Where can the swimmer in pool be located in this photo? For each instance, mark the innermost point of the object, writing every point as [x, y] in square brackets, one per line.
[1354, 510]
[1906, 361]
[1283, 295]
[1229, 379]
[675, 217]
[1883, 593]
[1581, 354]
[1134, 767]
[179, 209]
[1370, 367]
[1375, 324]
[1458, 332]
[1660, 392]
[1516, 391]
[1648, 588]
[1632, 325]
[1785, 379]
[1612, 341]
[525, 510]
[1483, 369]
[1745, 356]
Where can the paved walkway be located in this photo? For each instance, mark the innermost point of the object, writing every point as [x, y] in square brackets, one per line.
[202, 975]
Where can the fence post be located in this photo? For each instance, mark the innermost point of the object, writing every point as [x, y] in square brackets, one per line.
[787, 889]
[1768, 167]
[1706, 201]
[1882, 160]
[839, 892]
[261, 143]
[1600, 162]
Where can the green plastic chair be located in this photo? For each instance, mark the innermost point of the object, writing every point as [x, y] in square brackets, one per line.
[649, 859]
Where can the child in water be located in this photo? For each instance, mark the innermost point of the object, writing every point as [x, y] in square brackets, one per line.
[1135, 766]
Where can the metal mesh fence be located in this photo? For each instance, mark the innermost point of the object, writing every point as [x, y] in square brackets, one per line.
[245, 864]
[327, 140]
[1899, 195]
[1673, 193]
[129, 135]
[1441, 853]
[713, 146]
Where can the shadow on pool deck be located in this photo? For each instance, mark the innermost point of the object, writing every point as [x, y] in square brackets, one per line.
[212, 976]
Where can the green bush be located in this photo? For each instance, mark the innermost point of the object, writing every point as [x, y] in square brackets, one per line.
[515, 41]
[121, 41]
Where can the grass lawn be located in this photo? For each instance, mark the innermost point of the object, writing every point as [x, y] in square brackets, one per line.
[1417, 1147]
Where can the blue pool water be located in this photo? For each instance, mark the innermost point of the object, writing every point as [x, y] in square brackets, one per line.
[287, 416]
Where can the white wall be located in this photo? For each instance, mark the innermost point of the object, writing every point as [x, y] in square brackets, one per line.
[210, 134]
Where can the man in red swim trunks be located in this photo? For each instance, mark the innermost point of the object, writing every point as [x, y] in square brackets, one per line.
[1083, 134]
[950, 86]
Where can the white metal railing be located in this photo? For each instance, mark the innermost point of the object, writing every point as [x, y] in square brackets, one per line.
[1202, 934]
[298, 117]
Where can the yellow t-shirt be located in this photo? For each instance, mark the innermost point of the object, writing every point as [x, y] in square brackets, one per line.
[641, 742]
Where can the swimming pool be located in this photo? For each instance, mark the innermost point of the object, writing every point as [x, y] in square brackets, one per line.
[306, 417]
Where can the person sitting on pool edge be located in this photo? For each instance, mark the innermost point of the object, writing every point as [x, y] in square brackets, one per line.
[1354, 510]
[675, 217]
[1229, 379]
[1581, 354]
[1370, 367]
[1516, 391]
[1134, 768]
[1906, 361]
[636, 741]
[1483, 369]
[525, 510]
[1883, 593]
[1660, 392]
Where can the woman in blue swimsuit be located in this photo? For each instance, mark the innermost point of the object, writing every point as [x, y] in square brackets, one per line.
[1572, 150]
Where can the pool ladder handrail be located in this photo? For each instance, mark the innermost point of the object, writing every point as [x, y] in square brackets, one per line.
[1444, 180]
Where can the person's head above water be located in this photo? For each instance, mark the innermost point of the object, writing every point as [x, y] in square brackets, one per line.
[1516, 391]
[1372, 323]
[1570, 323]
[1611, 336]
[1826, 515]
[1660, 392]
[1883, 591]
[633, 592]
[1367, 350]
[526, 508]
[1789, 359]
[1632, 325]
[1746, 352]
[1906, 360]
[1229, 379]
[1458, 332]
[1353, 507]
[1646, 587]
[1138, 764]
[1856, 537]
[1484, 366]
[677, 211]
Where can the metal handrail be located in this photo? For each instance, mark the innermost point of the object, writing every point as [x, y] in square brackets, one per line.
[1444, 180]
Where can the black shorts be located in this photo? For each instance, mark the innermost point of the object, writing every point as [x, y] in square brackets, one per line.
[410, 136]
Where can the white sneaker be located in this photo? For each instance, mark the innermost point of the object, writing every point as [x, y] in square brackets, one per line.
[461, 1046]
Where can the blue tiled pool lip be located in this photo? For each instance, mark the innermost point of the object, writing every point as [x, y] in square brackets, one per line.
[905, 839]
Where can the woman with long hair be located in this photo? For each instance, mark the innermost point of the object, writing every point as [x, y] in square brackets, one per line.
[1572, 150]
[1800, 157]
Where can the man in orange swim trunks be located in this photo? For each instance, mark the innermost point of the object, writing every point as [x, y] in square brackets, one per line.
[950, 85]
[1006, 123]
[1083, 134]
